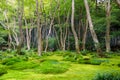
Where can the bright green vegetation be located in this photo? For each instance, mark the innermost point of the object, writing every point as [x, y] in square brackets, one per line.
[2, 70]
[57, 67]
[108, 76]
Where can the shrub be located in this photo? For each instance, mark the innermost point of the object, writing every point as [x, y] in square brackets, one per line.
[84, 52]
[108, 76]
[96, 61]
[73, 57]
[47, 53]
[91, 61]
[118, 65]
[82, 61]
[3, 70]
[59, 53]
[23, 65]
[10, 61]
[53, 67]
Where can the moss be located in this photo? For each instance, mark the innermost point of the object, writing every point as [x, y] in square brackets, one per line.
[3, 70]
[10, 61]
[74, 71]
[23, 65]
[53, 67]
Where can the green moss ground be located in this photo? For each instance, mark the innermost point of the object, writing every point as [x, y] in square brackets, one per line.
[75, 72]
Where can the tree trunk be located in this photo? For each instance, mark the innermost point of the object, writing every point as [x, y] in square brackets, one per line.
[84, 35]
[39, 28]
[94, 36]
[20, 16]
[51, 24]
[27, 35]
[8, 28]
[73, 29]
[108, 26]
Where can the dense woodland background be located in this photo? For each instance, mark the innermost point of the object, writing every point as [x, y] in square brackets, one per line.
[50, 25]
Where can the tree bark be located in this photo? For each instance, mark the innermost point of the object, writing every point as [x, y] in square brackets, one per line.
[39, 34]
[73, 29]
[27, 35]
[20, 16]
[94, 36]
[51, 24]
[108, 26]
[85, 35]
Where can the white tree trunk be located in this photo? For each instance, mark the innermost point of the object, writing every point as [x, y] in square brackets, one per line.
[108, 26]
[94, 36]
[73, 29]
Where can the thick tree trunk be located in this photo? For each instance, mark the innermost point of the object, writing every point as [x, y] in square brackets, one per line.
[39, 28]
[108, 26]
[94, 36]
[73, 29]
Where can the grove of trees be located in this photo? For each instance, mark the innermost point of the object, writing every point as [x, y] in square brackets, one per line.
[50, 25]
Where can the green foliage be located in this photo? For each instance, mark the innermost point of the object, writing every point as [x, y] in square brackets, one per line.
[118, 65]
[71, 56]
[23, 65]
[82, 61]
[53, 67]
[84, 52]
[10, 61]
[92, 61]
[96, 61]
[3, 70]
[108, 76]
[47, 53]
[3, 34]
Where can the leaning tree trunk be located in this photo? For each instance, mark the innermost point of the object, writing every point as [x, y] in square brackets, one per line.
[108, 26]
[94, 36]
[73, 29]
[39, 28]
[50, 29]
[20, 16]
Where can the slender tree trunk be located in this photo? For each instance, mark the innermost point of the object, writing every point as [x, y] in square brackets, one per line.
[94, 36]
[79, 29]
[8, 28]
[84, 35]
[66, 31]
[73, 29]
[39, 28]
[20, 16]
[61, 30]
[68, 41]
[27, 36]
[15, 35]
[57, 38]
[108, 26]
[51, 24]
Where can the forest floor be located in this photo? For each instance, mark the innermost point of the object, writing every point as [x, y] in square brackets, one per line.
[76, 71]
